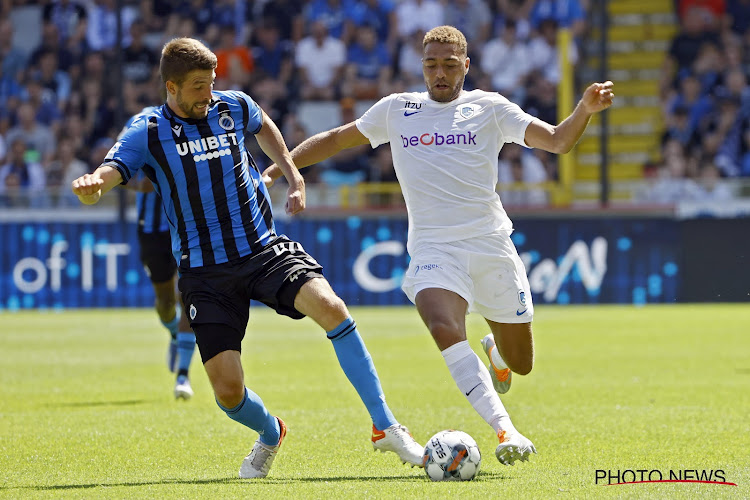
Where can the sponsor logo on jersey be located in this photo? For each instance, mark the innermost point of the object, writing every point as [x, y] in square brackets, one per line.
[408, 105]
[177, 129]
[437, 139]
[207, 148]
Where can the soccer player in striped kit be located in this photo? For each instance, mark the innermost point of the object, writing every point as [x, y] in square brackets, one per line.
[445, 144]
[155, 244]
[193, 150]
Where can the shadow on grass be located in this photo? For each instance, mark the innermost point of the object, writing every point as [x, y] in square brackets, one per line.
[87, 404]
[483, 476]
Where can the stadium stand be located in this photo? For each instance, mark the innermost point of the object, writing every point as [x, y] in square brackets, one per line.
[681, 69]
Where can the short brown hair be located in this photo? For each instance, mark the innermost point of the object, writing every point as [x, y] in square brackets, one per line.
[180, 56]
[446, 34]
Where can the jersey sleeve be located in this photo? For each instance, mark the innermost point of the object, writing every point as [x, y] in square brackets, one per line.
[130, 151]
[374, 123]
[512, 121]
[254, 113]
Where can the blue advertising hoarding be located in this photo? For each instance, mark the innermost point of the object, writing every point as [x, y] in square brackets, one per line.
[569, 261]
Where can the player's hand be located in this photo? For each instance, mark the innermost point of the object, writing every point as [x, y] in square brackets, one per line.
[266, 177]
[598, 97]
[88, 188]
[295, 197]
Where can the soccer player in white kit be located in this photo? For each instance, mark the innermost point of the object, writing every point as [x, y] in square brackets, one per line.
[445, 144]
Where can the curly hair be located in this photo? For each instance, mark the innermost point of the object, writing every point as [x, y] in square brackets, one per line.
[446, 34]
[180, 56]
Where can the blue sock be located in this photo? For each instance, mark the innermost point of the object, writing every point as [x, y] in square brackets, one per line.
[185, 348]
[252, 413]
[359, 369]
[172, 325]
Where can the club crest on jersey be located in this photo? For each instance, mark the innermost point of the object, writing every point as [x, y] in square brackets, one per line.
[522, 297]
[193, 311]
[226, 121]
[468, 110]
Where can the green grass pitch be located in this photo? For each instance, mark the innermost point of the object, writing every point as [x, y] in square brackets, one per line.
[86, 407]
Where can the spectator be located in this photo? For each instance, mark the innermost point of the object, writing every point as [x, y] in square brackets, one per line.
[36, 137]
[10, 92]
[680, 128]
[685, 47]
[234, 62]
[410, 63]
[274, 57]
[418, 15]
[691, 97]
[63, 171]
[566, 13]
[738, 13]
[726, 125]
[472, 17]
[381, 15]
[139, 61]
[13, 60]
[320, 60]
[21, 179]
[55, 81]
[745, 160]
[517, 166]
[51, 43]
[506, 62]
[42, 99]
[70, 19]
[333, 14]
[101, 30]
[544, 54]
[368, 71]
[710, 185]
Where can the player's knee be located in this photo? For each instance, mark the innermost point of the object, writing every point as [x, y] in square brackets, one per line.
[229, 393]
[445, 330]
[522, 366]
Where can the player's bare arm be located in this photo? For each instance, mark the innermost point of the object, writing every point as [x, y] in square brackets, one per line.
[560, 139]
[272, 143]
[319, 147]
[90, 187]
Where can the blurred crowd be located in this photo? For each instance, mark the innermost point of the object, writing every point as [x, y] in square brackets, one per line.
[62, 72]
[706, 103]
[66, 88]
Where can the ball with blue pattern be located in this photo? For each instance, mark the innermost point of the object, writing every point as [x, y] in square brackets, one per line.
[451, 456]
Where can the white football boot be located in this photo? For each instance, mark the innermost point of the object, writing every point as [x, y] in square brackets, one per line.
[513, 446]
[258, 462]
[397, 439]
[182, 388]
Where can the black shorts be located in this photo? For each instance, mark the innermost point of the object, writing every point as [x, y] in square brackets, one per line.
[156, 256]
[220, 294]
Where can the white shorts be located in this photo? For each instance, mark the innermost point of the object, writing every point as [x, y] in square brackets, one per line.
[486, 271]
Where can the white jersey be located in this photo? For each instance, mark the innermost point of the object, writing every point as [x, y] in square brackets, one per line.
[445, 155]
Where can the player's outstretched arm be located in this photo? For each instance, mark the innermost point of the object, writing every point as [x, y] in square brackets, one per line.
[319, 147]
[90, 187]
[561, 138]
[272, 143]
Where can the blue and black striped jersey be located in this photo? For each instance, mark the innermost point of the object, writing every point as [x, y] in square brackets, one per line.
[151, 217]
[214, 198]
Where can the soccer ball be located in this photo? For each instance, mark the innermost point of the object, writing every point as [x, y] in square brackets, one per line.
[451, 456]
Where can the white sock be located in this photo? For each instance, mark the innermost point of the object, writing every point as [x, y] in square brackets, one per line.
[474, 382]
